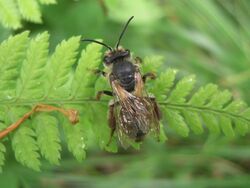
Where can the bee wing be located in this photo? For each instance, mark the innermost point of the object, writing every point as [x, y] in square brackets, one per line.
[136, 114]
[120, 128]
[150, 104]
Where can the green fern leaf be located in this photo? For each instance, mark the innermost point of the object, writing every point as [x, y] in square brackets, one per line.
[237, 107]
[2, 158]
[182, 89]
[9, 15]
[30, 81]
[48, 140]
[211, 122]
[226, 126]
[47, 2]
[76, 138]
[29, 9]
[220, 99]
[242, 126]
[87, 64]
[203, 94]
[194, 121]
[101, 129]
[60, 67]
[12, 11]
[151, 64]
[246, 113]
[25, 148]
[176, 122]
[162, 85]
[12, 53]
[2, 147]
[162, 137]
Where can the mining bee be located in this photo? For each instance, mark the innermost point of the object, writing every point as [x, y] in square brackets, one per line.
[132, 113]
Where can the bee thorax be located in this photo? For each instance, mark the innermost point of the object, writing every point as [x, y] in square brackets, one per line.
[124, 72]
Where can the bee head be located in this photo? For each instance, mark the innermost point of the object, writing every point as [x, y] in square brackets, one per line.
[118, 52]
[112, 56]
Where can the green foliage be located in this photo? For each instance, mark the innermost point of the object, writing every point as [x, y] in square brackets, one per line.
[2, 158]
[58, 73]
[33, 68]
[48, 140]
[12, 52]
[25, 147]
[29, 76]
[119, 10]
[12, 11]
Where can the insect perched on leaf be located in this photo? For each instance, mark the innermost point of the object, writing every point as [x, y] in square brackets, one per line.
[132, 113]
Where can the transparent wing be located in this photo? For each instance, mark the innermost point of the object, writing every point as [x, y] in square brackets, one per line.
[135, 113]
[150, 104]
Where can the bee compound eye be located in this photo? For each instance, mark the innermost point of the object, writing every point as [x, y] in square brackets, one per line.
[128, 51]
[106, 60]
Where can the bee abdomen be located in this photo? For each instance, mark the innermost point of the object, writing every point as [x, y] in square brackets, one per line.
[140, 136]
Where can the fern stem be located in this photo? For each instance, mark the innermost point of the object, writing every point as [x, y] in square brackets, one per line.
[84, 101]
[202, 109]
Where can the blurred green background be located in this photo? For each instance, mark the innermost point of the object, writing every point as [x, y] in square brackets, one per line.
[208, 38]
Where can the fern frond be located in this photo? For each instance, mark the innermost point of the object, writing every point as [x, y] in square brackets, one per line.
[163, 84]
[87, 64]
[13, 11]
[182, 89]
[9, 15]
[30, 81]
[47, 2]
[25, 148]
[2, 147]
[28, 77]
[203, 94]
[176, 121]
[60, 67]
[29, 9]
[76, 137]
[148, 66]
[2, 158]
[48, 140]
[12, 53]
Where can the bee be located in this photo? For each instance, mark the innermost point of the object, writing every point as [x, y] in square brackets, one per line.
[132, 112]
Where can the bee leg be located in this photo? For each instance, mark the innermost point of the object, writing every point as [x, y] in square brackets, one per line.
[156, 108]
[97, 71]
[112, 122]
[138, 60]
[148, 75]
[103, 92]
[157, 114]
[70, 113]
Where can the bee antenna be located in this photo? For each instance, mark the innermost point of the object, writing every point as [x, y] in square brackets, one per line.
[123, 31]
[95, 41]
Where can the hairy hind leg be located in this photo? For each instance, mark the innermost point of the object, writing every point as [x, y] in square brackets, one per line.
[156, 108]
[71, 114]
[157, 114]
[111, 121]
[98, 71]
[150, 75]
[103, 92]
